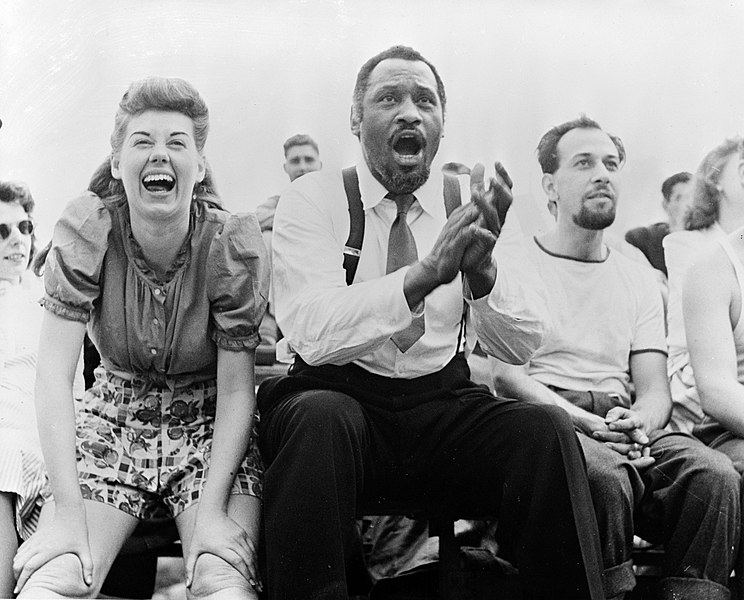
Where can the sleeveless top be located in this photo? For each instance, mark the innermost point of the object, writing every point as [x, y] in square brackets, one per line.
[710, 430]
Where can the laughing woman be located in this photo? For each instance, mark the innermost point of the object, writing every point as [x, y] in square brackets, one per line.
[172, 289]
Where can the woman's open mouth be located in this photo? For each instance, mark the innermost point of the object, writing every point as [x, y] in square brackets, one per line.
[158, 182]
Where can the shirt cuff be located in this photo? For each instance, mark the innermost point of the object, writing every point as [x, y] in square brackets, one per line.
[65, 311]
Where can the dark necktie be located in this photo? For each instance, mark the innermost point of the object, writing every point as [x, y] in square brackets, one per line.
[402, 252]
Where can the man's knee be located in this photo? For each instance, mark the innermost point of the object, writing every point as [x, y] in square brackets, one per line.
[547, 423]
[61, 576]
[212, 574]
[320, 411]
[712, 474]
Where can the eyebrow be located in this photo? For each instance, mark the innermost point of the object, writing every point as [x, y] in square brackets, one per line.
[590, 154]
[147, 133]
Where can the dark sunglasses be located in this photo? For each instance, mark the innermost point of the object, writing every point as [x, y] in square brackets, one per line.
[26, 227]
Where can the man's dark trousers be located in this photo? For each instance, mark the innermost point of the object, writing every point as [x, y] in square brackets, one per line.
[332, 437]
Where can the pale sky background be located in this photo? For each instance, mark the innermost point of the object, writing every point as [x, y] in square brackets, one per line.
[664, 75]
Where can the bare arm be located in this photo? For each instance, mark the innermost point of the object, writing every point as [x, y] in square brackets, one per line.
[653, 401]
[59, 349]
[514, 381]
[214, 531]
[708, 292]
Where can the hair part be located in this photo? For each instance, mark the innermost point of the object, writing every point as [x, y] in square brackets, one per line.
[670, 182]
[402, 52]
[12, 192]
[547, 148]
[300, 139]
[706, 191]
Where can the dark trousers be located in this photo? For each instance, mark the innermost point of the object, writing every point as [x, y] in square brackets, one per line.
[332, 437]
[688, 500]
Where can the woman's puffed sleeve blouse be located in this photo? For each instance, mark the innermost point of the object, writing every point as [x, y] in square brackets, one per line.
[152, 327]
[237, 283]
[73, 266]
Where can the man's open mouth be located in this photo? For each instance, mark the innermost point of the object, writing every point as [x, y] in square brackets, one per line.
[408, 147]
[158, 182]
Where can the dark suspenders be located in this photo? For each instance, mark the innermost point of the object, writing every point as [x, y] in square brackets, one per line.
[353, 247]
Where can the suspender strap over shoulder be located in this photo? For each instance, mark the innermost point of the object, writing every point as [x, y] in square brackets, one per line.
[353, 247]
[452, 197]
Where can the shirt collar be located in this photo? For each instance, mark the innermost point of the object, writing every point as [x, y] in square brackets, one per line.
[430, 195]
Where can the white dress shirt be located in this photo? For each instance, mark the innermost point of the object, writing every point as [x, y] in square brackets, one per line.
[327, 322]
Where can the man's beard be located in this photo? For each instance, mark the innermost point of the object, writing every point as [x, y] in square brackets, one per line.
[400, 182]
[594, 219]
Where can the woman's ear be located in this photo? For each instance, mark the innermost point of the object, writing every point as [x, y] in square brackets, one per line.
[115, 173]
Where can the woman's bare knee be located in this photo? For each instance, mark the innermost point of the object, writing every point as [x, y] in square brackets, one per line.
[214, 576]
[61, 577]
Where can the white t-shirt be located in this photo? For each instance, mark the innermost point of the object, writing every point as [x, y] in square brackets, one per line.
[600, 313]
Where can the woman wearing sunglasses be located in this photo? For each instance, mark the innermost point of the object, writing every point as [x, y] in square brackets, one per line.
[22, 474]
[172, 289]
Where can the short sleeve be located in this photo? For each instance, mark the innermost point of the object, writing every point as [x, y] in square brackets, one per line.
[72, 270]
[238, 283]
[649, 333]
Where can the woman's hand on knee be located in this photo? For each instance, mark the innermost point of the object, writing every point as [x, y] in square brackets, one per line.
[216, 533]
[66, 533]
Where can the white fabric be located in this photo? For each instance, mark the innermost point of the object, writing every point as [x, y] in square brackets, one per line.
[327, 322]
[681, 248]
[21, 464]
[738, 332]
[600, 313]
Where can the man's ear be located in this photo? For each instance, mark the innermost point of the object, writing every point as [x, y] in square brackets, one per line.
[284, 166]
[548, 186]
[355, 121]
[115, 173]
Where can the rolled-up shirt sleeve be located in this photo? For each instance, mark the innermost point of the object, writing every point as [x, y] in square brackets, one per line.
[72, 270]
[238, 283]
[322, 319]
[511, 320]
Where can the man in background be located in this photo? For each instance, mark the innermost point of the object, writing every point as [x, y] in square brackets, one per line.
[677, 192]
[301, 156]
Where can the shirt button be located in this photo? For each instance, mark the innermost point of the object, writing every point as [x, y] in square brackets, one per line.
[155, 322]
[153, 350]
[157, 291]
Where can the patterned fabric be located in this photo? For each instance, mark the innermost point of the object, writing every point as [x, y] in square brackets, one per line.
[145, 449]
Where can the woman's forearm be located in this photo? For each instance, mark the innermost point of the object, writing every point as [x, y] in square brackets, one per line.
[724, 401]
[236, 402]
[58, 357]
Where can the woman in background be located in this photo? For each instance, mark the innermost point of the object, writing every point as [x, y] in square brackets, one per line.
[22, 473]
[717, 210]
[172, 289]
